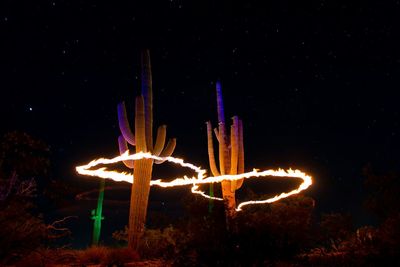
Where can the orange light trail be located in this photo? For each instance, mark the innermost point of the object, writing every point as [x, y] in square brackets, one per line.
[104, 173]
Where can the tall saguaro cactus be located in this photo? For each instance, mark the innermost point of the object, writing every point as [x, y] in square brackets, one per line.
[143, 140]
[231, 154]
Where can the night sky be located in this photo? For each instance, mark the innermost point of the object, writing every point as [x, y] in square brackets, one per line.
[315, 82]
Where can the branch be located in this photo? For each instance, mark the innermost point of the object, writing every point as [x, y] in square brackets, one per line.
[53, 227]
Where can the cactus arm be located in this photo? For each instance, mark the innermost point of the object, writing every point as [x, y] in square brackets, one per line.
[222, 149]
[241, 148]
[147, 93]
[234, 144]
[140, 125]
[168, 150]
[160, 141]
[216, 134]
[124, 124]
[211, 156]
[234, 150]
[123, 147]
[241, 155]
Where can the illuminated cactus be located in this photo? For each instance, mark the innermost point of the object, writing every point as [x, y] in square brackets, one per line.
[231, 154]
[97, 215]
[143, 140]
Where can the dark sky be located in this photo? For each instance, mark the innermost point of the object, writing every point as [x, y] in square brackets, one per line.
[316, 82]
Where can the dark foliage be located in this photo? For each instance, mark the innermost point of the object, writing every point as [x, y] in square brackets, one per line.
[283, 233]
[25, 155]
[334, 228]
[339, 245]
[274, 232]
[384, 193]
[261, 234]
[24, 166]
[21, 232]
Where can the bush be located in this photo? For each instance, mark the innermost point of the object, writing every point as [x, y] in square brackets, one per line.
[120, 256]
[21, 231]
[107, 256]
[274, 232]
[93, 255]
[49, 257]
[156, 243]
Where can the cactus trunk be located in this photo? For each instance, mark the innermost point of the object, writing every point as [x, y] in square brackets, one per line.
[229, 201]
[139, 199]
[142, 170]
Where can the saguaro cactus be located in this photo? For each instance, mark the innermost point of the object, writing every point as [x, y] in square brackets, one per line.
[231, 154]
[97, 215]
[143, 140]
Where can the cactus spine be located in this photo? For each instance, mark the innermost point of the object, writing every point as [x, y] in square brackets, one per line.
[143, 140]
[231, 154]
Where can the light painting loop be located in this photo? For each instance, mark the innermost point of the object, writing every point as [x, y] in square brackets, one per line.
[104, 173]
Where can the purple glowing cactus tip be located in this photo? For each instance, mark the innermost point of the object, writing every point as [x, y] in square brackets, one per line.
[220, 103]
[147, 93]
[146, 72]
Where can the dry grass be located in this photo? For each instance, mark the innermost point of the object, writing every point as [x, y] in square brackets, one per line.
[120, 256]
[93, 256]
[49, 257]
[107, 256]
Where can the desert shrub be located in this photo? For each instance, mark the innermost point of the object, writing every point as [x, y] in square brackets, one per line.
[120, 256]
[383, 192]
[49, 257]
[156, 243]
[25, 155]
[102, 256]
[93, 255]
[274, 232]
[33, 259]
[367, 246]
[389, 234]
[121, 236]
[21, 231]
[207, 239]
[105, 256]
[334, 229]
[264, 234]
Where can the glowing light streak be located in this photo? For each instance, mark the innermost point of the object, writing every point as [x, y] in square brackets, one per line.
[104, 173]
